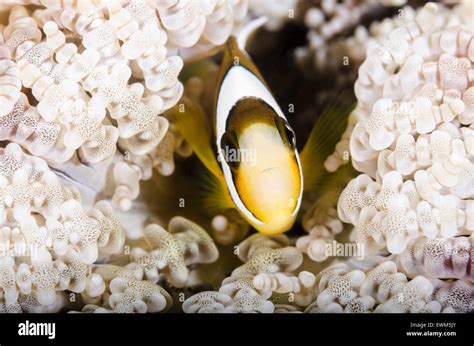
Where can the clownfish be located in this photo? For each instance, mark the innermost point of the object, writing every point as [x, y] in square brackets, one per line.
[251, 155]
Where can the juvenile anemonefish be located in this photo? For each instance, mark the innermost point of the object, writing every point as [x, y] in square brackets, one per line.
[255, 165]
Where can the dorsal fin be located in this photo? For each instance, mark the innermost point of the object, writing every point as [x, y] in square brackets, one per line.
[248, 30]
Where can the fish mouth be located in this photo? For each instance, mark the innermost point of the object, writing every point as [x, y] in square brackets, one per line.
[268, 169]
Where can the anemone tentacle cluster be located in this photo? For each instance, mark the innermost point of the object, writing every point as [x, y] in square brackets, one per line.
[412, 141]
[338, 36]
[384, 289]
[409, 138]
[48, 240]
[102, 74]
[168, 254]
[84, 86]
[268, 267]
[265, 284]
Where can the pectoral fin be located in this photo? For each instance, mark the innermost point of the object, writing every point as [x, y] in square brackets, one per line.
[211, 192]
[323, 138]
[191, 121]
[324, 207]
[331, 185]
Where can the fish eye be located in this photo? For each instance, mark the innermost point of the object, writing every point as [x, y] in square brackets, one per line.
[230, 149]
[290, 135]
[286, 131]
